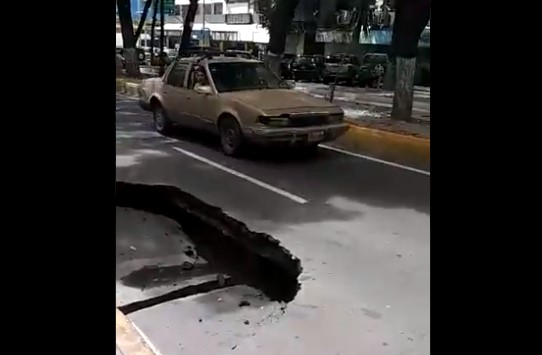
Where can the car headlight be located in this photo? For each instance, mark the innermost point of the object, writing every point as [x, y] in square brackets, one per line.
[276, 121]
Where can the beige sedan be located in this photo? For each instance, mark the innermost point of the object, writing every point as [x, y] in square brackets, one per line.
[241, 101]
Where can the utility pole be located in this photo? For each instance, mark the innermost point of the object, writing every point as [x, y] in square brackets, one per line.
[187, 26]
[162, 20]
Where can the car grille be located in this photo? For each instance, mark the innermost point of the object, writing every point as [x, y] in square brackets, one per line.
[305, 121]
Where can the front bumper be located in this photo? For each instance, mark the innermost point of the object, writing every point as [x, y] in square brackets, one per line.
[305, 72]
[295, 135]
[338, 75]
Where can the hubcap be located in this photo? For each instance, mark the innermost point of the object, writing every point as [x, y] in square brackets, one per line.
[159, 120]
[229, 136]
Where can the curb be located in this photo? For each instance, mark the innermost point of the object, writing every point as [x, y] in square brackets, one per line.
[127, 87]
[394, 147]
[129, 340]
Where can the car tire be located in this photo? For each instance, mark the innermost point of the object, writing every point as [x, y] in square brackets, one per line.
[310, 150]
[162, 123]
[325, 81]
[231, 136]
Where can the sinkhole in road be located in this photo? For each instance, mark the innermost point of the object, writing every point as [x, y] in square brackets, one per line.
[228, 245]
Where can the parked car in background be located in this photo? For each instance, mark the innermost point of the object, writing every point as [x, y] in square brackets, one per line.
[308, 67]
[241, 101]
[373, 67]
[140, 55]
[286, 65]
[341, 67]
[238, 53]
[167, 59]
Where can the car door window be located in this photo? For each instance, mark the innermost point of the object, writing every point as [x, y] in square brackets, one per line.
[355, 61]
[176, 75]
[197, 76]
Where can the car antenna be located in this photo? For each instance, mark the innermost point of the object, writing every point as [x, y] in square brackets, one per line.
[205, 56]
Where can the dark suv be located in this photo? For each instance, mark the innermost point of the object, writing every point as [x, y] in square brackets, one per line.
[140, 55]
[341, 67]
[286, 65]
[308, 67]
[373, 67]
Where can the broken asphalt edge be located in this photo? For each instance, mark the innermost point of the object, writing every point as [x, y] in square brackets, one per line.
[129, 340]
[251, 258]
[395, 147]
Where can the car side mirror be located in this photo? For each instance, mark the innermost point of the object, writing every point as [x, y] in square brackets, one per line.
[204, 90]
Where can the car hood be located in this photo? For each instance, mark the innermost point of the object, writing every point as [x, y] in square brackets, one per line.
[272, 101]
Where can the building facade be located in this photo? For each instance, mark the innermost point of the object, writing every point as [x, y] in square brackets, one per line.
[223, 20]
[216, 20]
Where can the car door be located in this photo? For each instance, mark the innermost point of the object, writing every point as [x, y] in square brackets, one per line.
[174, 92]
[201, 108]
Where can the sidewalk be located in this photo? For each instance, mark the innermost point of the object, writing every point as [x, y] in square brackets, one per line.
[371, 108]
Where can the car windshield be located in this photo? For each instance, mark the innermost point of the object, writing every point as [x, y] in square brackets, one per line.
[375, 58]
[337, 59]
[304, 60]
[244, 76]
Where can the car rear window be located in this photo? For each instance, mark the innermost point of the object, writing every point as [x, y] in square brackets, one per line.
[304, 60]
[244, 76]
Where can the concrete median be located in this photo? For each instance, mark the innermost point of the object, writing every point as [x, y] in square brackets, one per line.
[129, 340]
[398, 148]
[128, 86]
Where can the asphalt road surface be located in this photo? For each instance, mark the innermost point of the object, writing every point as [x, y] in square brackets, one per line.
[360, 228]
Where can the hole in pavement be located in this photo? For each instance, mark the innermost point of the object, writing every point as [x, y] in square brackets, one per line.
[250, 258]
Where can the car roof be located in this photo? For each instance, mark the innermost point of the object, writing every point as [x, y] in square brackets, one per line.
[220, 59]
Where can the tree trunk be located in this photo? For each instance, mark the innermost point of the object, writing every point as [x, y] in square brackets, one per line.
[143, 18]
[411, 17]
[127, 29]
[187, 26]
[162, 22]
[389, 77]
[279, 24]
[362, 8]
[153, 27]
[403, 97]
[132, 62]
[273, 62]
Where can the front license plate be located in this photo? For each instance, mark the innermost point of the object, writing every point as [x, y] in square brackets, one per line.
[315, 136]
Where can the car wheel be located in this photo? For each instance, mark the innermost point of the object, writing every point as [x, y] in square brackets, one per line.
[325, 81]
[310, 150]
[162, 124]
[231, 136]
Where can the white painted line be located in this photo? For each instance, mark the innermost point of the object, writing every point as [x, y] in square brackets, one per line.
[419, 171]
[153, 348]
[243, 176]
